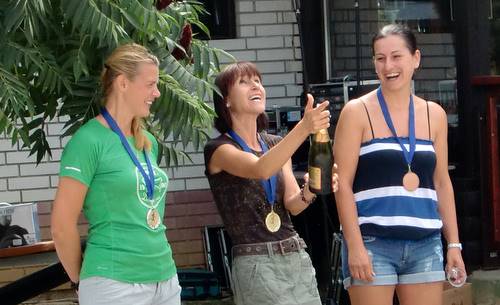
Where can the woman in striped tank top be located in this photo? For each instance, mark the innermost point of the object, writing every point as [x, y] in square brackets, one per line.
[395, 195]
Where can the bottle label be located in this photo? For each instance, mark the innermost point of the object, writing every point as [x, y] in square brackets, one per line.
[315, 177]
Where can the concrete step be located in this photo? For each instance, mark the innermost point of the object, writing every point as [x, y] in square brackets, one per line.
[486, 287]
[69, 297]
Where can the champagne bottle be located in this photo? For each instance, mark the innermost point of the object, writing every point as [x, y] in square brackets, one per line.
[320, 163]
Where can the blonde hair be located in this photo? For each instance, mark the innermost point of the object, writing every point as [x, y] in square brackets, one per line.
[126, 60]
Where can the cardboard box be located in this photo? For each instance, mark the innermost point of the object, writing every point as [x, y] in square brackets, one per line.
[18, 224]
[457, 296]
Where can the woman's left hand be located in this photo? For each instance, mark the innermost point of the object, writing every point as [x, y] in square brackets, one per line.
[454, 259]
[335, 179]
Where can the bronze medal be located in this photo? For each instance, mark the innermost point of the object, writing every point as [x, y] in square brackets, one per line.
[411, 181]
[153, 219]
[273, 221]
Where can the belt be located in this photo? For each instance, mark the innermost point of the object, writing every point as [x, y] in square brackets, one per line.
[292, 244]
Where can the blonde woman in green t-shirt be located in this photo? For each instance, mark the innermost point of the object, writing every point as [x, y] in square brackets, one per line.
[109, 170]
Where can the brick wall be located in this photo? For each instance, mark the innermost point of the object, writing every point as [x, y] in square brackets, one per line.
[266, 35]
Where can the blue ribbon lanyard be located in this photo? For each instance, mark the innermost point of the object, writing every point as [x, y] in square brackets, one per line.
[411, 127]
[149, 180]
[269, 185]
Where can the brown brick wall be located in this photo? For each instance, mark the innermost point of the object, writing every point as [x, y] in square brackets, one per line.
[187, 212]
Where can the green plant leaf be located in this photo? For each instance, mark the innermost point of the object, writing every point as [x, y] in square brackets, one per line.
[52, 57]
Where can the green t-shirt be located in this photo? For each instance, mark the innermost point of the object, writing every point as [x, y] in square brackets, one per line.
[120, 244]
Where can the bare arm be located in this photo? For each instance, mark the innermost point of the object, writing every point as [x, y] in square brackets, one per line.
[348, 137]
[292, 198]
[443, 186]
[242, 164]
[65, 212]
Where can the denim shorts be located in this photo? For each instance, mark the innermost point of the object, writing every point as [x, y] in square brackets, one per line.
[399, 261]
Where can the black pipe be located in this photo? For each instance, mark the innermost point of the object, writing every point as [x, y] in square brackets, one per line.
[305, 80]
[34, 284]
[358, 42]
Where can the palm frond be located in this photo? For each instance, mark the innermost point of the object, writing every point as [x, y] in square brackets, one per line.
[15, 104]
[88, 19]
[190, 82]
[151, 23]
[82, 105]
[52, 56]
[31, 16]
[176, 109]
[173, 156]
[42, 65]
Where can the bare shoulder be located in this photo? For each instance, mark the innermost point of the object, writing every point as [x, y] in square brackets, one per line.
[356, 107]
[225, 148]
[220, 156]
[352, 122]
[353, 107]
[437, 115]
[436, 112]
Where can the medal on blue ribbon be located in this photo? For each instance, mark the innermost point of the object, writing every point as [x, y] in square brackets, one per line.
[410, 179]
[273, 221]
[152, 216]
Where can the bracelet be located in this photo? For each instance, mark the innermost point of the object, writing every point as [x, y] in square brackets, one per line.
[455, 245]
[308, 202]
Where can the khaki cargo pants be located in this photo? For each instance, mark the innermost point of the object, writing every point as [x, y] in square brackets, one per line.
[280, 279]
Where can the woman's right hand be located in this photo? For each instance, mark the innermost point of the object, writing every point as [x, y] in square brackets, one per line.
[317, 118]
[360, 265]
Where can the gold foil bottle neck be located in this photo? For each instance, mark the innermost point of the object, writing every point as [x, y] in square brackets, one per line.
[321, 136]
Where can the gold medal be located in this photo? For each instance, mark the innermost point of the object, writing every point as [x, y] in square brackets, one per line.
[410, 181]
[153, 219]
[273, 221]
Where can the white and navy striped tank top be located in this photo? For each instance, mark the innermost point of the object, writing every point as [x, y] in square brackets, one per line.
[385, 207]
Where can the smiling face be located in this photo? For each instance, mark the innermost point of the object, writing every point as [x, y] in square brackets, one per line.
[394, 62]
[247, 95]
[141, 91]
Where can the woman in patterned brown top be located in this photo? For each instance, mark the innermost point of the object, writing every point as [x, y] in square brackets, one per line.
[253, 185]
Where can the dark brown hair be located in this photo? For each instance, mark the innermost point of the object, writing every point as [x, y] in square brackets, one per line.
[400, 30]
[225, 81]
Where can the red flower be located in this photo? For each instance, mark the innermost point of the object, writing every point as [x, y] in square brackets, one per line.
[178, 53]
[185, 42]
[186, 36]
[162, 4]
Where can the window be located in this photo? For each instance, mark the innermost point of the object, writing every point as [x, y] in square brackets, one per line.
[221, 20]
[423, 16]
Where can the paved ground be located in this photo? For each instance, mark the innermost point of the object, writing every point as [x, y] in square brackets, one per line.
[68, 297]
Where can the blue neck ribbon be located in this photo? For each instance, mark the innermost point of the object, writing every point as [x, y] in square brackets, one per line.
[269, 185]
[411, 126]
[149, 180]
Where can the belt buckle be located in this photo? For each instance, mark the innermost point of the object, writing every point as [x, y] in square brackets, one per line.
[296, 244]
[282, 247]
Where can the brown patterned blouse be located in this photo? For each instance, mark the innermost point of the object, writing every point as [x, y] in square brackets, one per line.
[242, 202]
